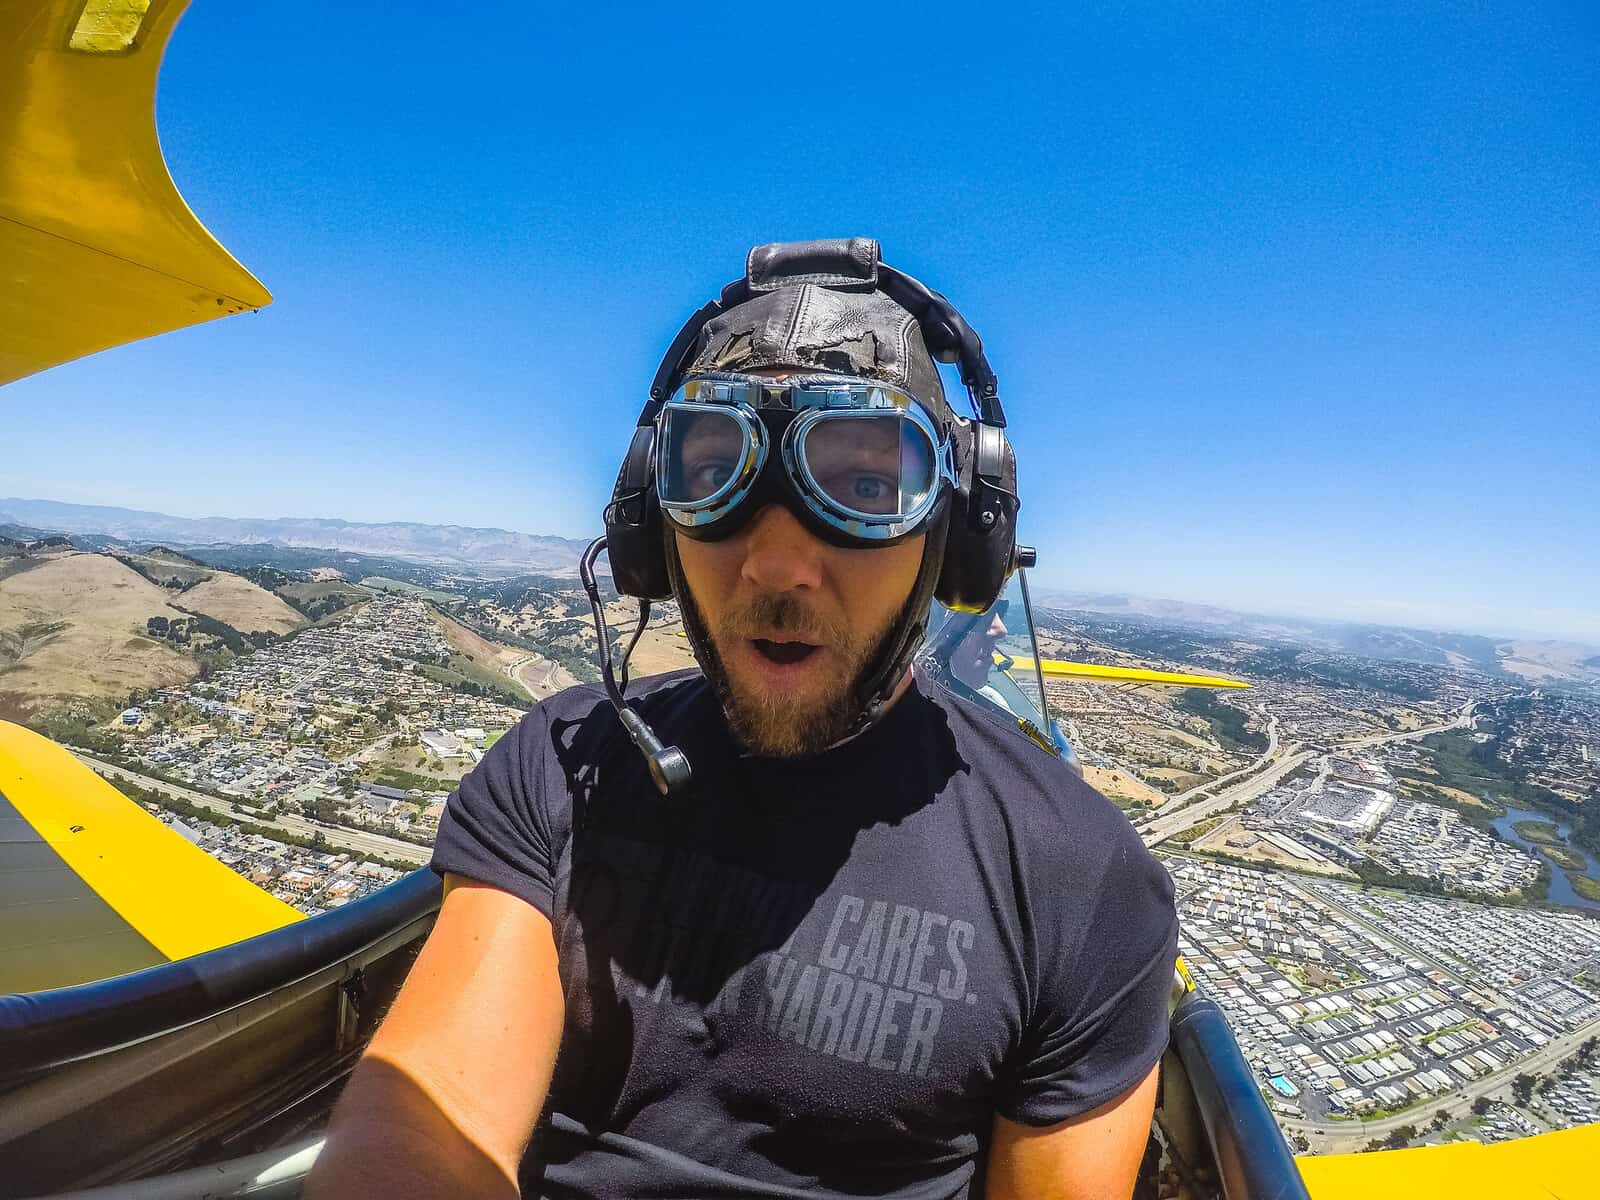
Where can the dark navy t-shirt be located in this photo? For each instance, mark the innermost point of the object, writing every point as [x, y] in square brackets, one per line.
[820, 976]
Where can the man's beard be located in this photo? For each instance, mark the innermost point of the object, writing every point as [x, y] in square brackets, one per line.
[782, 726]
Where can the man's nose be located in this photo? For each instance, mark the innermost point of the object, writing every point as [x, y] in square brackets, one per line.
[780, 555]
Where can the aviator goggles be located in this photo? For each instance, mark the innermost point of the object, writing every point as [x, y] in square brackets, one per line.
[861, 461]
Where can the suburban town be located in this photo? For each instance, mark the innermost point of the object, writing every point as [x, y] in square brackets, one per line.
[1371, 878]
[1356, 1005]
[296, 726]
[313, 881]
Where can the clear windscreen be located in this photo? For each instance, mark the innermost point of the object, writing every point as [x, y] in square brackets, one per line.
[989, 657]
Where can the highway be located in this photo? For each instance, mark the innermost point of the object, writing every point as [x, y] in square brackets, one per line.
[357, 840]
[1166, 821]
[1267, 755]
[1461, 720]
[1165, 825]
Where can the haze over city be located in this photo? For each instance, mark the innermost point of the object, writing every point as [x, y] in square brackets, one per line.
[1290, 314]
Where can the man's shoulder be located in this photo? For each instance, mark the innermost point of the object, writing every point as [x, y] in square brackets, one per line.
[586, 701]
[1041, 799]
[583, 712]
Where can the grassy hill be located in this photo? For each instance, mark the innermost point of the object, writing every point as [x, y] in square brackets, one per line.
[475, 659]
[72, 627]
[166, 567]
[241, 604]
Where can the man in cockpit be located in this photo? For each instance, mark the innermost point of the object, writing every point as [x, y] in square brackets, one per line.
[972, 658]
[883, 944]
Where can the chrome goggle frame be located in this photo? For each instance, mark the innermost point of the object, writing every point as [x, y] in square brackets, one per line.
[811, 400]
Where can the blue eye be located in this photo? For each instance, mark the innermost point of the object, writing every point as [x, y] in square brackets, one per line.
[706, 478]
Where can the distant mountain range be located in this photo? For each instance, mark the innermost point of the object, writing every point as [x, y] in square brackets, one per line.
[1528, 660]
[499, 549]
[496, 553]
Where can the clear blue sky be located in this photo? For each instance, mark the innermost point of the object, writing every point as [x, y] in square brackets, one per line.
[1293, 310]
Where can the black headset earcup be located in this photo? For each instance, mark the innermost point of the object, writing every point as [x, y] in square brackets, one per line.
[980, 544]
[633, 524]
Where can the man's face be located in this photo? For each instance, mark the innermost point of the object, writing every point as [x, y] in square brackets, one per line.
[974, 654]
[792, 622]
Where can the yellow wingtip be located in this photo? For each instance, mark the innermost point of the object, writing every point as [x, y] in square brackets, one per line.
[1060, 669]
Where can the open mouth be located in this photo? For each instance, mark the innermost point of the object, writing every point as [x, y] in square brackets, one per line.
[783, 653]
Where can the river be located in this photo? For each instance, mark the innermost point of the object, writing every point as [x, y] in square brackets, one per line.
[1560, 889]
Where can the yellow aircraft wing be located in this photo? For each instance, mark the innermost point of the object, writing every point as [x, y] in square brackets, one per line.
[97, 248]
[91, 885]
[1551, 1166]
[1055, 668]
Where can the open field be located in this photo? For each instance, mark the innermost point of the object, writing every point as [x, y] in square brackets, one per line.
[410, 760]
[1184, 780]
[1263, 852]
[660, 649]
[1194, 833]
[238, 602]
[1450, 793]
[167, 568]
[309, 593]
[1116, 784]
[73, 627]
[1181, 737]
[382, 583]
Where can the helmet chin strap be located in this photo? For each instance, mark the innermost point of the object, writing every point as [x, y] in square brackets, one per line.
[892, 657]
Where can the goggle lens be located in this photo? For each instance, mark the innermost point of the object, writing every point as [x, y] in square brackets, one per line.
[875, 465]
[863, 459]
[704, 454]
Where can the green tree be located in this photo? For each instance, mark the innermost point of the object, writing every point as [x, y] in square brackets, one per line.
[1522, 1088]
[1481, 1106]
[1400, 1137]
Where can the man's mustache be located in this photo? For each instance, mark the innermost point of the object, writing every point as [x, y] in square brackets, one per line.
[768, 614]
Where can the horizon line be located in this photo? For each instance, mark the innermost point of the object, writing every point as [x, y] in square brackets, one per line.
[1588, 641]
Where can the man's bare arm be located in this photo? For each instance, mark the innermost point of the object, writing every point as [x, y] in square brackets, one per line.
[445, 1098]
[1093, 1156]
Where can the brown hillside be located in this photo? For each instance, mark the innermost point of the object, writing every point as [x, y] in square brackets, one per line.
[240, 603]
[493, 656]
[73, 627]
[167, 567]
